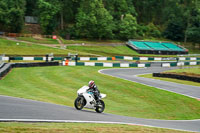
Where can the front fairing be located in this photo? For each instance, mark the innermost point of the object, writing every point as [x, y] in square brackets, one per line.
[82, 90]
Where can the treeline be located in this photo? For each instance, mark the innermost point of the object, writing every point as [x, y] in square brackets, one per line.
[177, 20]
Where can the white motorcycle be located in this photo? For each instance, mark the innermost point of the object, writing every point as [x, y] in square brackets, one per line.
[86, 99]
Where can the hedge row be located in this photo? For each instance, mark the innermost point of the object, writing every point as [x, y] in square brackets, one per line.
[176, 76]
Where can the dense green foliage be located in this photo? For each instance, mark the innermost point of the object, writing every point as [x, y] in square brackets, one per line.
[93, 20]
[177, 20]
[12, 15]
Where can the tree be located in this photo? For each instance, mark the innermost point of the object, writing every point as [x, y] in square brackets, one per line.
[93, 20]
[128, 27]
[68, 10]
[193, 28]
[3, 13]
[47, 15]
[118, 8]
[175, 29]
[12, 15]
[31, 8]
[192, 17]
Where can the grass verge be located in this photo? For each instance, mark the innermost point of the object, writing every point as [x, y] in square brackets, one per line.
[105, 50]
[186, 70]
[12, 48]
[78, 127]
[60, 84]
[39, 40]
[111, 51]
[92, 41]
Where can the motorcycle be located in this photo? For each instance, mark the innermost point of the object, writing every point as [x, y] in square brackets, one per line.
[86, 99]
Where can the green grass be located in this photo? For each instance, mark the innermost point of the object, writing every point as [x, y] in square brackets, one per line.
[171, 80]
[105, 50]
[113, 51]
[11, 48]
[41, 40]
[60, 84]
[91, 41]
[192, 49]
[188, 70]
[78, 127]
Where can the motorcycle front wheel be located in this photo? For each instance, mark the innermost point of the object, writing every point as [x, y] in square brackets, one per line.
[100, 106]
[79, 103]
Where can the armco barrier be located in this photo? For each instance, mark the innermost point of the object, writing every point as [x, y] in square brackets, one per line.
[60, 58]
[94, 58]
[31, 58]
[66, 63]
[139, 58]
[8, 66]
[105, 58]
[157, 58]
[174, 64]
[5, 69]
[176, 76]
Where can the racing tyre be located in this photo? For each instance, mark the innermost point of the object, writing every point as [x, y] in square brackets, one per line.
[100, 106]
[79, 103]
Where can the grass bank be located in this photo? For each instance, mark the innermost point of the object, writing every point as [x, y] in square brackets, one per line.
[12, 48]
[92, 41]
[187, 70]
[105, 50]
[39, 40]
[60, 84]
[182, 71]
[78, 127]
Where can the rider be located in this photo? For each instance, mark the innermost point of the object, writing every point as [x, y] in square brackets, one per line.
[94, 89]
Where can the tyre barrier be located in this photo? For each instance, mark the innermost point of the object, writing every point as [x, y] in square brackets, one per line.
[35, 64]
[176, 76]
[67, 63]
[8, 66]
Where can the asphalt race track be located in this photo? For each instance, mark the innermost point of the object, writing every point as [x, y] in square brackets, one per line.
[131, 75]
[18, 109]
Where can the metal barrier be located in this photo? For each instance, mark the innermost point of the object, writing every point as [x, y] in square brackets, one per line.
[1, 60]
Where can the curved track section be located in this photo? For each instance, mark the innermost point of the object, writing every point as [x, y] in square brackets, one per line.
[131, 75]
[18, 109]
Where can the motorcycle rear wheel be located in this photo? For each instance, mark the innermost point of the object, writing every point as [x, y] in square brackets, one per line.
[79, 103]
[100, 106]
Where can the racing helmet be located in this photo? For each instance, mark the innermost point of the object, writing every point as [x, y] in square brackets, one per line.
[91, 84]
